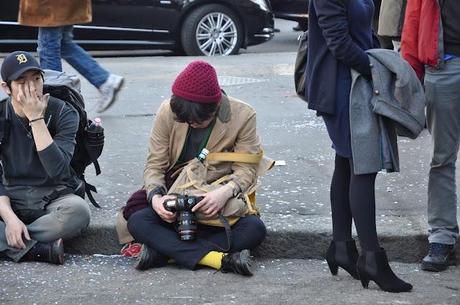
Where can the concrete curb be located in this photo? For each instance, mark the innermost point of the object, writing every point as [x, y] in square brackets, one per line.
[281, 241]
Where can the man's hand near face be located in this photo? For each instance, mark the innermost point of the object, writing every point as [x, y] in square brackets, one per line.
[33, 103]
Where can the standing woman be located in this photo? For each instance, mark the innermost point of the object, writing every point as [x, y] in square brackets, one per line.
[339, 33]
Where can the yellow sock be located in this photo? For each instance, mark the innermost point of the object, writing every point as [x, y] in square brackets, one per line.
[213, 259]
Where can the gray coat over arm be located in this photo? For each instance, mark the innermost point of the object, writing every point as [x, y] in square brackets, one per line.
[392, 104]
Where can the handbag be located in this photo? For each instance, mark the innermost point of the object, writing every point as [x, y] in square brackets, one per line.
[300, 68]
[192, 181]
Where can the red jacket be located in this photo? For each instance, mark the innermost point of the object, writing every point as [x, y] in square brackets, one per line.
[421, 40]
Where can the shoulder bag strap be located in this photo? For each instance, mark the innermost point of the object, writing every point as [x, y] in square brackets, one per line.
[236, 157]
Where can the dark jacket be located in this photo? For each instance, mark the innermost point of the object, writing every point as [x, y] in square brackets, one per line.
[23, 165]
[329, 42]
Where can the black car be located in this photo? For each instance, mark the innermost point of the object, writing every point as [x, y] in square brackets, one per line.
[297, 10]
[198, 27]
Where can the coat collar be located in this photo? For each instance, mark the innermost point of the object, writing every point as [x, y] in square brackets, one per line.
[224, 115]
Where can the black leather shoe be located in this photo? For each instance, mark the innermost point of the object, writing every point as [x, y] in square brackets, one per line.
[52, 252]
[149, 258]
[238, 262]
[343, 254]
[439, 258]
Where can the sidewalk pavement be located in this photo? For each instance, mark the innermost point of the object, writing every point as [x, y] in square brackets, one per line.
[293, 199]
[113, 280]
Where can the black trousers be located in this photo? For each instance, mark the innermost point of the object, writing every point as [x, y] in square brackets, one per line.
[148, 228]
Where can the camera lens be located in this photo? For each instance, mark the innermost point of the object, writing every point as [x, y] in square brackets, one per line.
[187, 225]
[170, 205]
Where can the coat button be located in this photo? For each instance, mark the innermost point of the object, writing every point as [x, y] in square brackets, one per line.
[371, 65]
[377, 92]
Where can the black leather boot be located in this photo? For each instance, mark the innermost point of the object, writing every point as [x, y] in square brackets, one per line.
[373, 266]
[52, 252]
[238, 262]
[149, 258]
[343, 254]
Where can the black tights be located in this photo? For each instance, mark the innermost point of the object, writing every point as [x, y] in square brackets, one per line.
[353, 197]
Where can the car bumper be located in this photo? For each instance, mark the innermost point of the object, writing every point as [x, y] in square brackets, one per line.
[261, 30]
[292, 16]
[265, 35]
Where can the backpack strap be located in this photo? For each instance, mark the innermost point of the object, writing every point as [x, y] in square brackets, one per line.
[97, 168]
[54, 113]
[88, 189]
[4, 122]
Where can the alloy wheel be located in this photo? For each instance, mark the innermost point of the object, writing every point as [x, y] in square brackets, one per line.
[216, 34]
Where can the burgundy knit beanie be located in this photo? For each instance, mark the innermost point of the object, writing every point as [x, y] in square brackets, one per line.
[198, 83]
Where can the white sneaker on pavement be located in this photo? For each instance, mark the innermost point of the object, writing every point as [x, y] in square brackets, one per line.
[108, 92]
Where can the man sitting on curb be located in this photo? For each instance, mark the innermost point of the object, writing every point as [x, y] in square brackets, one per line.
[36, 164]
[197, 116]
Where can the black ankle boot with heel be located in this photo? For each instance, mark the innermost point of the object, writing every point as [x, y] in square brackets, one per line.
[373, 266]
[343, 254]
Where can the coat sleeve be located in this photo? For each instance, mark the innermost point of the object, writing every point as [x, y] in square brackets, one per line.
[244, 175]
[333, 21]
[158, 151]
[57, 156]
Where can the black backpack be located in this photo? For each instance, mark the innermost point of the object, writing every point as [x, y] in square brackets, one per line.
[89, 138]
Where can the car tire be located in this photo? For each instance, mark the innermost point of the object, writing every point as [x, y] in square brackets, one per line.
[212, 30]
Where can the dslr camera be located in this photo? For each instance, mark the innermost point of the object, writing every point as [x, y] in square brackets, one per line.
[186, 219]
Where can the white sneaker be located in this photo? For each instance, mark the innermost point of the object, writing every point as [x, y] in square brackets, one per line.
[108, 92]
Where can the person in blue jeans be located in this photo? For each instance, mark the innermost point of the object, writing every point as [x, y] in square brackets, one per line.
[55, 19]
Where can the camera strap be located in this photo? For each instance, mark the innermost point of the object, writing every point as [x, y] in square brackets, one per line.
[228, 232]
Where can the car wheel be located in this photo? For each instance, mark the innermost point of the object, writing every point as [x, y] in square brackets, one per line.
[212, 30]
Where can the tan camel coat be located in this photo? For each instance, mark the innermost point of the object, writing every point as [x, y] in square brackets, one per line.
[234, 131]
[54, 13]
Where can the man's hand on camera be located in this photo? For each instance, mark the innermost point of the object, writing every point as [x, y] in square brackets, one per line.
[214, 201]
[157, 205]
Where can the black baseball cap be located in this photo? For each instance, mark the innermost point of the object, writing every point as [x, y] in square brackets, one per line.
[16, 63]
